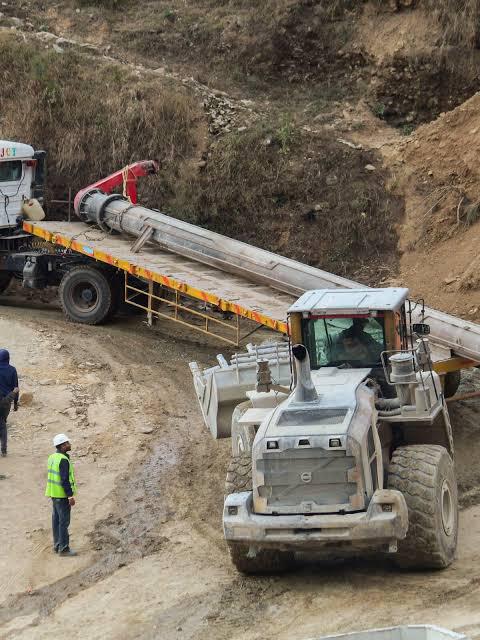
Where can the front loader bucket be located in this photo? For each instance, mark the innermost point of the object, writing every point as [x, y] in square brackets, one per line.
[220, 389]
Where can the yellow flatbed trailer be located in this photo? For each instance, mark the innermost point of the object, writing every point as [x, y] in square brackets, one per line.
[184, 278]
[217, 297]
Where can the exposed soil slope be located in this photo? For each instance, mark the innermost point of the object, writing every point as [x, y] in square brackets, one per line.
[437, 170]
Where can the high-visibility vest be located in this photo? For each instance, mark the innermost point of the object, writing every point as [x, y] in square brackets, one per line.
[54, 484]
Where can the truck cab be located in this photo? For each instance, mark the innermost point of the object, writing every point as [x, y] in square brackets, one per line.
[22, 178]
[333, 458]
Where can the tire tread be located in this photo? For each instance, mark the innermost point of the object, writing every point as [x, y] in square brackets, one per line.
[414, 471]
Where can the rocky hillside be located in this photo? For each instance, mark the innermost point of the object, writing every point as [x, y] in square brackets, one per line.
[291, 124]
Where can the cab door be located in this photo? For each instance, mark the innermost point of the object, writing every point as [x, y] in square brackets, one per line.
[15, 186]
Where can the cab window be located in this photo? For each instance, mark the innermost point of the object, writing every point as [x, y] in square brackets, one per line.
[338, 341]
[10, 171]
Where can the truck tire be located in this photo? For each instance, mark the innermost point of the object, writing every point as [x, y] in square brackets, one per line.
[425, 475]
[5, 278]
[451, 383]
[247, 559]
[117, 291]
[86, 295]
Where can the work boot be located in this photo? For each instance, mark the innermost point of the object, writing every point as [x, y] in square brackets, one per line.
[55, 549]
[67, 553]
[4, 453]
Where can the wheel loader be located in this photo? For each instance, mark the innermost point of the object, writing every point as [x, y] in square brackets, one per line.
[343, 440]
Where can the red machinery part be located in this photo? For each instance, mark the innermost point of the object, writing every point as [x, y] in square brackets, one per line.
[127, 177]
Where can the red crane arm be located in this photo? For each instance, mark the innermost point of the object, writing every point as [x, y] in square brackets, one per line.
[127, 176]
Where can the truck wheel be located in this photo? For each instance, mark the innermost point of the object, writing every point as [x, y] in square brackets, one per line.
[426, 477]
[86, 295]
[117, 291]
[451, 383]
[5, 278]
[248, 559]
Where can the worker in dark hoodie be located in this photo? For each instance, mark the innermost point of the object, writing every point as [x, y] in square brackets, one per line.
[8, 394]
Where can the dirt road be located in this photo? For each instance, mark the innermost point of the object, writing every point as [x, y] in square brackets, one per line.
[152, 561]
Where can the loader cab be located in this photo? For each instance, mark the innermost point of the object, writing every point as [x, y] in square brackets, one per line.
[22, 177]
[349, 328]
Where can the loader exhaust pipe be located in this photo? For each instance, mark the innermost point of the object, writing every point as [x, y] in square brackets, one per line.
[305, 389]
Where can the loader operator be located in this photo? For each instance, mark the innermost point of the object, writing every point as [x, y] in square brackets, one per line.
[355, 346]
[357, 330]
[61, 488]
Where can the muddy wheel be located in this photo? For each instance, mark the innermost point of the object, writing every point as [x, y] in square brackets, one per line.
[5, 278]
[248, 559]
[426, 477]
[242, 435]
[239, 474]
[257, 561]
[451, 383]
[117, 291]
[86, 295]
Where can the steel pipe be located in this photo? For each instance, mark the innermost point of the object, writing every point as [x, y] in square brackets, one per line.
[115, 213]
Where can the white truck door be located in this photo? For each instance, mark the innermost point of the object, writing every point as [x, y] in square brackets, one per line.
[16, 176]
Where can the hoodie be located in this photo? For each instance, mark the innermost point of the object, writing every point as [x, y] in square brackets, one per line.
[8, 375]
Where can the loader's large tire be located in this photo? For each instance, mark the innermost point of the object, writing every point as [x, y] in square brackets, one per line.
[248, 559]
[242, 435]
[426, 477]
[86, 295]
[239, 474]
[262, 561]
[451, 383]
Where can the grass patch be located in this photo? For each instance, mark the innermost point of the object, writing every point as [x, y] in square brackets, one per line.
[460, 20]
[107, 4]
[407, 129]
[91, 118]
[249, 40]
[379, 109]
[316, 203]
[472, 214]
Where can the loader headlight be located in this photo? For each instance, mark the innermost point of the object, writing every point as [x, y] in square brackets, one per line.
[272, 444]
[232, 511]
[334, 442]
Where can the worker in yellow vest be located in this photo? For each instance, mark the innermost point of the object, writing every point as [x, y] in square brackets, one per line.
[61, 488]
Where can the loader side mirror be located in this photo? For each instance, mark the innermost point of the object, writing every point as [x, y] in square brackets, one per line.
[421, 329]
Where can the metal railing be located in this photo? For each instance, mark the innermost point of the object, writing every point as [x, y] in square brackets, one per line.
[153, 297]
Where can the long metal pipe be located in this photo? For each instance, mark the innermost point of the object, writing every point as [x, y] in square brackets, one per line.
[113, 212]
[116, 213]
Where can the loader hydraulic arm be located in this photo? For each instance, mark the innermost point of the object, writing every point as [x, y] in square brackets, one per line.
[127, 176]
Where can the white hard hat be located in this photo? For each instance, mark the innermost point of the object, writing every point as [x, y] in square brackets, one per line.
[59, 439]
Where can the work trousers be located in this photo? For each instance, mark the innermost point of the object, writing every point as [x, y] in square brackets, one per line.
[3, 435]
[60, 523]
[3, 428]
